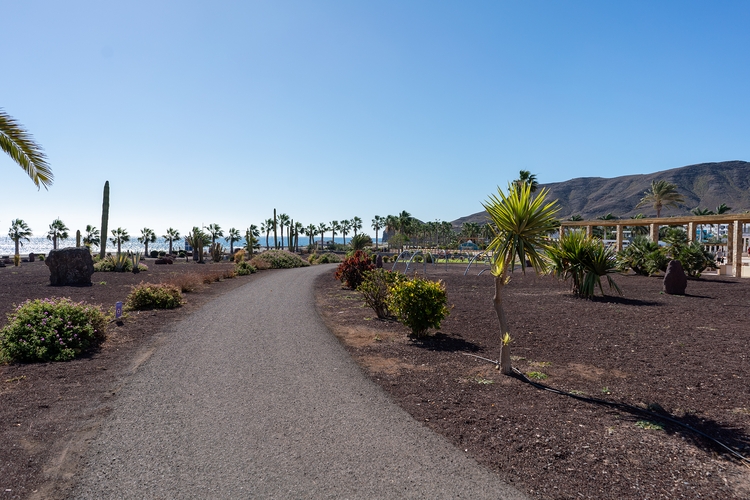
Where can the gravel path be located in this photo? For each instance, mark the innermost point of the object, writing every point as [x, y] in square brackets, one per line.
[251, 397]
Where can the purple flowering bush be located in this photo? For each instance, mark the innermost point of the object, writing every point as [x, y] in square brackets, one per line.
[55, 329]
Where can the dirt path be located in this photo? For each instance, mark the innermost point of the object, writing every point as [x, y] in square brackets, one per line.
[251, 397]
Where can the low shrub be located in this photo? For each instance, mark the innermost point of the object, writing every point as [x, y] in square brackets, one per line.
[162, 253]
[325, 258]
[419, 304]
[350, 272]
[211, 277]
[154, 296]
[375, 289]
[243, 268]
[181, 254]
[239, 255]
[260, 264]
[153, 254]
[55, 329]
[278, 259]
[185, 282]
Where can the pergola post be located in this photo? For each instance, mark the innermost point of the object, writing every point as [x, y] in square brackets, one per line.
[562, 231]
[691, 232]
[730, 241]
[737, 250]
[619, 237]
[589, 231]
[654, 232]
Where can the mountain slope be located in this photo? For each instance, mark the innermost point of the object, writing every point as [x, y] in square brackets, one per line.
[705, 185]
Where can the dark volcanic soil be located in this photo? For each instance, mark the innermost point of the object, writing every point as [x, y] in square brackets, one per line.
[683, 356]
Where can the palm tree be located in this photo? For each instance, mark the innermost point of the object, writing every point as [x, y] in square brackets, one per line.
[404, 220]
[172, 235]
[356, 224]
[576, 217]
[526, 177]
[18, 231]
[391, 224]
[232, 235]
[335, 226]
[607, 216]
[266, 227]
[92, 238]
[20, 146]
[721, 209]
[215, 231]
[283, 222]
[252, 235]
[147, 236]
[298, 228]
[378, 223]
[521, 222]
[119, 236]
[311, 230]
[346, 225]
[661, 194]
[57, 231]
[322, 228]
[638, 230]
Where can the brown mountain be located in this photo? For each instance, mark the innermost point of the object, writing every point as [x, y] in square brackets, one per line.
[706, 185]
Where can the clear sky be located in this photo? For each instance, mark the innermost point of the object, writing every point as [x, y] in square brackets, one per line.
[218, 112]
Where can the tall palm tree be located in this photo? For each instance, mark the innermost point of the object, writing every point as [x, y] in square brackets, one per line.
[526, 177]
[172, 235]
[356, 224]
[147, 236]
[266, 227]
[57, 231]
[346, 225]
[283, 222]
[391, 224]
[521, 222]
[232, 235]
[721, 209]
[576, 217]
[298, 228]
[92, 238]
[335, 227]
[638, 230]
[607, 216]
[378, 223]
[215, 231]
[661, 194]
[311, 230]
[252, 236]
[20, 146]
[322, 228]
[404, 221]
[119, 236]
[18, 231]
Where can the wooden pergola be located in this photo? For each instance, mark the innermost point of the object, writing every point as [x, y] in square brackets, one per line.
[733, 221]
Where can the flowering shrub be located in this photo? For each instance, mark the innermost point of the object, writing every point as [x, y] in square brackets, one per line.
[55, 329]
[418, 304]
[278, 259]
[154, 296]
[350, 272]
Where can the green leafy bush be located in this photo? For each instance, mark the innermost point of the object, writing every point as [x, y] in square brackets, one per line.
[419, 304]
[154, 296]
[154, 254]
[325, 258]
[360, 242]
[694, 259]
[350, 272]
[278, 259]
[243, 268]
[584, 260]
[643, 256]
[55, 329]
[376, 288]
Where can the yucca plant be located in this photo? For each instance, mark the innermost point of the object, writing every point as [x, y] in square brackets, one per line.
[643, 256]
[521, 223]
[584, 260]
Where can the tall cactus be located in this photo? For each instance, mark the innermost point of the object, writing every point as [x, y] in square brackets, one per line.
[275, 242]
[105, 221]
[78, 238]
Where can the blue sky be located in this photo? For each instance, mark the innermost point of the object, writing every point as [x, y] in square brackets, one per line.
[205, 112]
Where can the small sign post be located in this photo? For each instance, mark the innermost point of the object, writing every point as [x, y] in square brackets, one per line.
[118, 310]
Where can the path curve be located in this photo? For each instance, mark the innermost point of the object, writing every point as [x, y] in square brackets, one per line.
[252, 397]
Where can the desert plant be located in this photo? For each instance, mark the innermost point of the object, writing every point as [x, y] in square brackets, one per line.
[153, 296]
[147, 236]
[197, 239]
[105, 220]
[375, 289]
[135, 258]
[216, 251]
[233, 235]
[350, 272]
[54, 329]
[584, 260]
[324, 258]
[171, 235]
[252, 239]
[154, 254]
[239, 255]
[419, 304]
[243, 268]
[187, 282]
[643, 256]
[360, 241]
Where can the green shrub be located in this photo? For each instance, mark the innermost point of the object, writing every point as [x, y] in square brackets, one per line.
[325, 258]
[154, 296]
[243, 268]
[279, 259]
[181, 254]
[162, 253]
[55, 329]
[350, 272]
[419, 304]
[375, 288]
[360, 242]
[694, 259]
[584, 260]
[154, 254]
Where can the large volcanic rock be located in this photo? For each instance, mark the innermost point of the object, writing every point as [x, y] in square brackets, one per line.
[70, 266]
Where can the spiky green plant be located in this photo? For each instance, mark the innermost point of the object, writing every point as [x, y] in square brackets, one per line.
[583, 260]
[105, 220]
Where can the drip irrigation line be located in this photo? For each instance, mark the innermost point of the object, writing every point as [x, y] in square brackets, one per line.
[621, 406]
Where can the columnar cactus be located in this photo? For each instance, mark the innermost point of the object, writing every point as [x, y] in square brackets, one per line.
[105, 221]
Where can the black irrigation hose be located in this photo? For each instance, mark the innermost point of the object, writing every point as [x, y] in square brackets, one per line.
[622, 406]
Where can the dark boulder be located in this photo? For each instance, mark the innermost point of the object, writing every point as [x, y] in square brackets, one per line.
[675, 280]
[70, 266]
[164, 260]
[379, 262]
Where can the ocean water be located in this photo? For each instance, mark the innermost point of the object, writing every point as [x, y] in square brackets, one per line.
[40, 244]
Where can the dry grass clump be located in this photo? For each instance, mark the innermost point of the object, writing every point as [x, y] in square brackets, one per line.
[260, 264]
[187, 282]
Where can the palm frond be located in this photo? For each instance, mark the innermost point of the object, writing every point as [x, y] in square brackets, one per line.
[20, 146]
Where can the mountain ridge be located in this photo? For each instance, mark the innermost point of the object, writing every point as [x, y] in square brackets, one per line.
[705, 185]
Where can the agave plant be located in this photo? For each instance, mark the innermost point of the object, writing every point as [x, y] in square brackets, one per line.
[584, 260]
